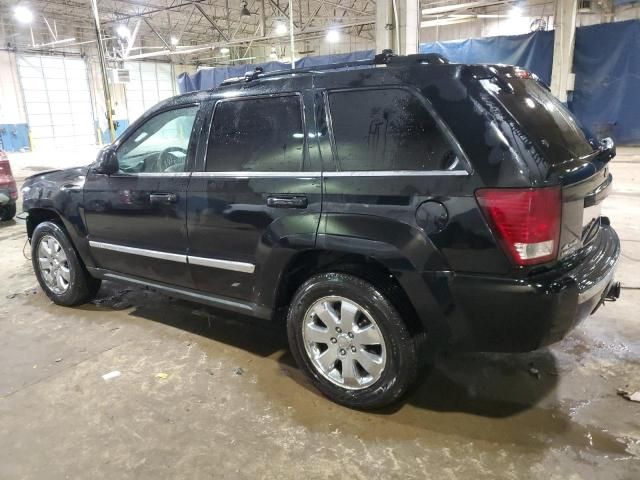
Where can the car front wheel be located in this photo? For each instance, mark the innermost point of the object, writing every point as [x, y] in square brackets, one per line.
[351, 342]
[59, 270]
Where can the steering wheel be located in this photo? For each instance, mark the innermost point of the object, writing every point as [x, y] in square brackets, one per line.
[166, 158]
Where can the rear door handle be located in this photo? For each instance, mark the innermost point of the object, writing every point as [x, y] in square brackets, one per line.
[164, 198]
[287, 201]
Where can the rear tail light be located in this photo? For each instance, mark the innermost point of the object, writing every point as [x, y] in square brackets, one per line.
[6, 176]
[526, 221]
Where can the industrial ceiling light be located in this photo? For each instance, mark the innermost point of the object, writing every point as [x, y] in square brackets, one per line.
[281, 28]
[224, 51]
[515, 12]
[23, 14]
[174, 40]
[123, 31]
[245, 11]
[333, 36]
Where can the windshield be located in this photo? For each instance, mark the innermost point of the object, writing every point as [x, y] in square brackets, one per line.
[544, 119]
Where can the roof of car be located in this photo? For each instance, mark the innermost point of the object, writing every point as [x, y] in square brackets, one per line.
[386, 58]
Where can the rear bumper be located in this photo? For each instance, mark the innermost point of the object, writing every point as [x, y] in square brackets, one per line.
[517, 315]
[6, 196]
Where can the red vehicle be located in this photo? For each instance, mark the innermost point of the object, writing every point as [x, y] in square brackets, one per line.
[8, 189]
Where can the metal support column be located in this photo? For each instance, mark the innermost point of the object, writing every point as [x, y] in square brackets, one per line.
[398, 26]
[562, 78]
[103, 70]
[293, 60]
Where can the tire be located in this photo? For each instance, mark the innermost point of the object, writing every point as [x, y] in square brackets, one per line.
[7, 212]
[388, 342]
[77, 285]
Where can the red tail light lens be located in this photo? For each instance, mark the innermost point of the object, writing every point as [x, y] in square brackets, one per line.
[5, 168]
[526, 221]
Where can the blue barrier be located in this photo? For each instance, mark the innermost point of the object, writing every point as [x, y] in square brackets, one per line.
[14, 136]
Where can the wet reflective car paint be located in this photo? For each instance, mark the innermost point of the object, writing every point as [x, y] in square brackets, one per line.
[440, 269]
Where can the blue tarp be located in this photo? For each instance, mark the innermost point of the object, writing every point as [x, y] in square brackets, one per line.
[306, 62]
[212, 77]
[533, 51]
[606, 62]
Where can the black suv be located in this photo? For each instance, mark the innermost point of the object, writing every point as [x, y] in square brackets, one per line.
[385, 209]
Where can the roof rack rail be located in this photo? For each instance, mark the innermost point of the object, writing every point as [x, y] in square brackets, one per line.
[386, 57]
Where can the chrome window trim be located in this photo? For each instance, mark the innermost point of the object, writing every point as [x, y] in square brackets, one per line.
[173, 257]
[354, 173]
[151, 174]
[398, 173]
[223, 264]
[255, 174]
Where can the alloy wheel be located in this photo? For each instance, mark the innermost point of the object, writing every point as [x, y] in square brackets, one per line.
[344, 342]
[54, 265]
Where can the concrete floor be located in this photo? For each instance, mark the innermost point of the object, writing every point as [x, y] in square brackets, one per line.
[233, 404]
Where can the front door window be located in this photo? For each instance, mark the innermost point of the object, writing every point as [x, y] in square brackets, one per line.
[160, 145]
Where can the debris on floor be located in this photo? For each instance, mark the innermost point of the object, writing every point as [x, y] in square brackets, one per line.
[238, 371]
[110, 375]
[629, 394]
[162, 375]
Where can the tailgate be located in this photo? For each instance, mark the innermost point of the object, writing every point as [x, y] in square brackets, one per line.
[581, 206]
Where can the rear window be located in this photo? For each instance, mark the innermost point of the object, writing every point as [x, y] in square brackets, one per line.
[545, 119]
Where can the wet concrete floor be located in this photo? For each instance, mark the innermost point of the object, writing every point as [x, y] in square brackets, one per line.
[202, 394]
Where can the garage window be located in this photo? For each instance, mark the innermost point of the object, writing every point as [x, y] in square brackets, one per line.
[257, 134]
[387, 129]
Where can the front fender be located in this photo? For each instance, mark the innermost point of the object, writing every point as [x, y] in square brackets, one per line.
[59, 193]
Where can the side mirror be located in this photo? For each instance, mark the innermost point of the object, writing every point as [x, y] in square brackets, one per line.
[107, 162]
[608, 148]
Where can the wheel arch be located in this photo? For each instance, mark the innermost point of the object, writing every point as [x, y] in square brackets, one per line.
[307, 263]
[38, 215]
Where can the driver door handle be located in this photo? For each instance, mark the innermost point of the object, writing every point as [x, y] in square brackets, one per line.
[163, 198]
[287, 201]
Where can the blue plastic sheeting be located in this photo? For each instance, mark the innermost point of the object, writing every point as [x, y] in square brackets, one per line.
[14, 136]
[307, 62]
[212, 77]
[533, 51]
[606, 62]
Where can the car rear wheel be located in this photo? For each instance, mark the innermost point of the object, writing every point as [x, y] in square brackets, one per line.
[351, 342]
[59, 270]
[7, 212]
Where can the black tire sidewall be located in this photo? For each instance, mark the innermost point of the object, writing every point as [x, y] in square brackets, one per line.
[78, 287]
[7, 212]
[401, 364]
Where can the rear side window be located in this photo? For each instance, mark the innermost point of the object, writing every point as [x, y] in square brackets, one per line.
[257, 134]
[387, 129]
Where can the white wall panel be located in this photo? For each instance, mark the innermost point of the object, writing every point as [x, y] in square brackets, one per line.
[150, 83]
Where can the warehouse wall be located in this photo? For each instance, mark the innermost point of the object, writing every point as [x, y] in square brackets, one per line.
[519, 25]
[129, 100]
[13, 120]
